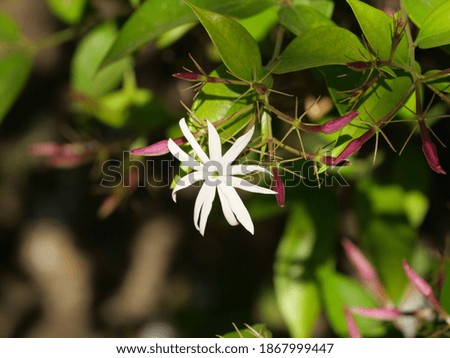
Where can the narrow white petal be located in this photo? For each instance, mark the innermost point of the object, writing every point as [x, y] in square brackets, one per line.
[185, 182]
[207, 206]
[243, 169]
[191, 139]
[214, 145]
[226, 208]
[237, 147]
[238, 207]
[247, 186]
[182, 156]
[201, 197]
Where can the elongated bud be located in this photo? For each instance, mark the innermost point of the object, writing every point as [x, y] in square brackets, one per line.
[359, 65]
[423, 287]
[278, 186]
[334, 162]
[156, 149]
[338, 123]
[189, 76]
[353, 330]
[355, 144]
[383, 313]
[365, 271]
[429, 149]
[67, 155]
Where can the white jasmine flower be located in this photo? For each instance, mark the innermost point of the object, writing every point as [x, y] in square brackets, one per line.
[219, 175]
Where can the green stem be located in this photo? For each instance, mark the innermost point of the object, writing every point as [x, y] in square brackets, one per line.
[54, 40]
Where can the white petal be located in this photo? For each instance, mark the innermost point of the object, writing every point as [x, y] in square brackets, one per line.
[247, 186]
[243, 169]
[185, 182]
[204, 206]
[191, 139]
[182, 156]
[238, 146]
[226, 208]
[214, 145]
[238, 207]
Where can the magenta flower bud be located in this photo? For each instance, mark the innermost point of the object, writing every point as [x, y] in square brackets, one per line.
[353, 330]
[189, 76]
[365, 271]
[158, 148]
[338, 123]
[62, 155]
[423, 287]
[332, 161]
[384, 314]
[355, 144]
[429, 149]
[278, 186]
[359, 65]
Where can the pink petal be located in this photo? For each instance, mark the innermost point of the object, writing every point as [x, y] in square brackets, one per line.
[158, 148]
[422, 286]
[385, 314]
[355, 145]
[365, 270]
[429, 149]
[353, 330]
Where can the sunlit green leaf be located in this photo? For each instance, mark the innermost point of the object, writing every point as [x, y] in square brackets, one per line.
[238, 49]
[337, 46]
[440, 83]
[301, 18]
[90, 52]
[70, 11]
[325, 7]
[377, 27]
[419, 10]
[435, 30]
[260, 24]
[339, 291]
[9, 31]
[155, 17]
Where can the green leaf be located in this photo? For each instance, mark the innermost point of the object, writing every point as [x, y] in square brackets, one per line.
[307, 245]
[87, 58]
[337, 46]
[445, 292]
[419, 10]
[339, 291]
[238, 49]
[14, 71]
[255, 331]
[377, 27]
[15, 63]
[301, 18]
[325, 7]
[155, 17]
[259, 25]
[435, 30]
[217, 101]
[70, 11]
[442, 83]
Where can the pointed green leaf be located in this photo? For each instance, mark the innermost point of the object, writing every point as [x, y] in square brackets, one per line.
[377, 27]
[69, 11]
[301, 18]
[87, 58]
[259, 25]
[435, 30]
[419, 10]
[238, 49]
[155, 17]
[337, 46]
[325, 7]
[9, 31]
[440, 83]
[338, 292]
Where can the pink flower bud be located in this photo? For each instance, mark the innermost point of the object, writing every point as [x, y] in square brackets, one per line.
[353, 330]
[62, 155]
[365, 271]
[359, 65]
[278, 186]
[158, 148]
[422, 286]
[355, 144]
[429, 149]
[384, 314]
[338, 123]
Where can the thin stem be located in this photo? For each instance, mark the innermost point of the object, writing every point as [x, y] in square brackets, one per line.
[55, 40]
